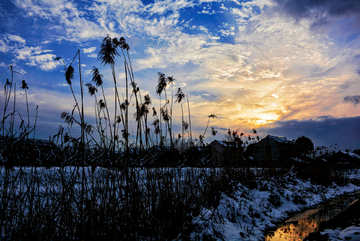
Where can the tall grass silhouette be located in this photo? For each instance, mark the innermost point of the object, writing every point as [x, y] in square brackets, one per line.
[100, 186]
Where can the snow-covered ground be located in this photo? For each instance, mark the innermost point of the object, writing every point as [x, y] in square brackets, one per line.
[244, 212]
[349, 233]
[248, 213]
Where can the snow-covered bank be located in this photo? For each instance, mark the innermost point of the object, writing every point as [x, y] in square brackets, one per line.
[159, 203]
[349, 233]
[247, 213]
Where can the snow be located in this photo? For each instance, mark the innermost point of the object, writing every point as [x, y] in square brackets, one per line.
[349, 233]
[248, 213]
[280, 139]
[351, 154]
[245, 213]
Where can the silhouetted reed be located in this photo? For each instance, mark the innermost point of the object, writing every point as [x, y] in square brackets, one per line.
[99, 186]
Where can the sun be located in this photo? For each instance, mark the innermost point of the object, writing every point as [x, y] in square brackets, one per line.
[265, 118]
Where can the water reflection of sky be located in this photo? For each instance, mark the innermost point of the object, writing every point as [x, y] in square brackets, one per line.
[300, 225]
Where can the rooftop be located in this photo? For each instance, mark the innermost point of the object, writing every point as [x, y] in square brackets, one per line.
[279, 139]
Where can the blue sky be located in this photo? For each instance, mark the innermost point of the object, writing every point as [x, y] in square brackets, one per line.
[263, 64]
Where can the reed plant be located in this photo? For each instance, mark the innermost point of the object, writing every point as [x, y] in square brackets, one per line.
[110, 135]
[136, 203]
[99, 186]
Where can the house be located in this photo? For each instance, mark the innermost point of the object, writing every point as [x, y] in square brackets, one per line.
[273, 151]
[225, 153]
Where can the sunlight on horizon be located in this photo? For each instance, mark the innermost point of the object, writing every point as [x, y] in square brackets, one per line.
[251, 63]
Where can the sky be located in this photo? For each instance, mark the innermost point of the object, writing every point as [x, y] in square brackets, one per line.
[283, 67]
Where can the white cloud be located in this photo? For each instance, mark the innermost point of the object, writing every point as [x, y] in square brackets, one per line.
[42, 58]
[207, 1]
[65, 13]
[26, 52]
[21, 71]
[32, 56]
[47, 66]
[207, 12]
[112, 16]
[182, 84]
[161, 7]
[259, 3]
[223, 7]
[269, 52]
[92, 55]
[227, 31]
[89, 50]
[202, 28]
[3, 47]
[10, 41]
[268, 74]
[112, 26]
[44, 61]
[16, 38]
[243, 13]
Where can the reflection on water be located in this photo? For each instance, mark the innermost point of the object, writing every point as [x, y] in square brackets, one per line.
[300, 225]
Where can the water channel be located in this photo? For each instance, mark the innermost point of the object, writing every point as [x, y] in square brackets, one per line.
[300, 225]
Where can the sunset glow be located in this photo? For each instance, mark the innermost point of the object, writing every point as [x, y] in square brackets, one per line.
[255, 64]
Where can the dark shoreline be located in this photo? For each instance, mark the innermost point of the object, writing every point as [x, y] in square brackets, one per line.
[320, 208]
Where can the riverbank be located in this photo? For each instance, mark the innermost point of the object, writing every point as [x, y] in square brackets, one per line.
[247, 213]
[344, 226]
[173, 203]
[349, 233]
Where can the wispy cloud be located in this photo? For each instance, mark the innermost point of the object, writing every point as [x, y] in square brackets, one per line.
[93, 55]
[43, 61]
[9, 40]
[247, 62]
[89, 50]
[66, 13]
[2, 64]
[33, 56]
[160, 7]
[3, 47]
[16, 38]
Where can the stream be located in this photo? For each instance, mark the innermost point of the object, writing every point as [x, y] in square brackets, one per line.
[300, 225]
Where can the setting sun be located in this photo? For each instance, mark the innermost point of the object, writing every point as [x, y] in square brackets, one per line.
[255, 64]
